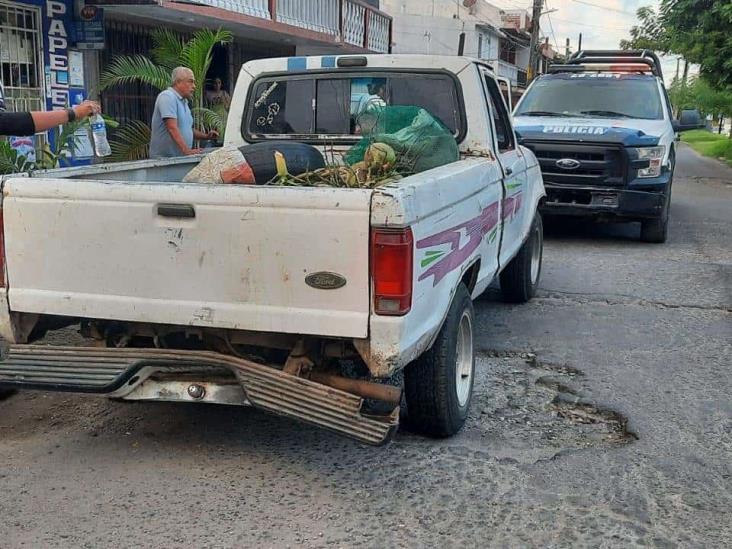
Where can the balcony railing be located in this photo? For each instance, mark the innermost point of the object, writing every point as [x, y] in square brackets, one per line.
[515, 75]
[351, 22]
[523, 78]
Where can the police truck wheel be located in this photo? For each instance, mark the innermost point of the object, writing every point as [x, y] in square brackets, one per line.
[520, 278]
[439, 385]
[656, 230]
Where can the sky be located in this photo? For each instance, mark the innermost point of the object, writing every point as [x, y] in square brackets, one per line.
[602, 25]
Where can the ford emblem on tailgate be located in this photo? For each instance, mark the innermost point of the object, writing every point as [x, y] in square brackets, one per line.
[568, 164]
[325, 281]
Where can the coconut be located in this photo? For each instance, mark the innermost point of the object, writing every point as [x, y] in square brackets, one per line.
[380, 156]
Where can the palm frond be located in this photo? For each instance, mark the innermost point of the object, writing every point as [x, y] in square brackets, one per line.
[197, 56]
[110, 122]
[130, 142]
[45, 158]
[214, 118]
[136, 68]
[11, 161]
[167, 48]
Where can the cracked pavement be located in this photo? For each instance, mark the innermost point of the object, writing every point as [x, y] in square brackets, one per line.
[602, 417]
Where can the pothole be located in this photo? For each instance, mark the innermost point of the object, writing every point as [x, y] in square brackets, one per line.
[526, 410]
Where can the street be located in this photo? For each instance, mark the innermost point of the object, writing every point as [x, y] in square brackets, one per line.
[601, 417]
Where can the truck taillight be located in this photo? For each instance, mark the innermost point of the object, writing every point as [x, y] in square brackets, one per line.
[391, 270]
[2, 250]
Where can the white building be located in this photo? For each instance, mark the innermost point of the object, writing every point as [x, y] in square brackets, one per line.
[498, 36]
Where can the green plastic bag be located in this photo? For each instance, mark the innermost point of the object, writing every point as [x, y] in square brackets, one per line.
[420, 140]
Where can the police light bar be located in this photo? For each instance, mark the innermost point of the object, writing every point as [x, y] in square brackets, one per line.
[629, 68]
[611, 60]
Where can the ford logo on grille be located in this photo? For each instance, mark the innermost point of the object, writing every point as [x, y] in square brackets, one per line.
[568, 164]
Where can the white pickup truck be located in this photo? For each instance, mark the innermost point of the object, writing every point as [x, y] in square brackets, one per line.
[332, 306]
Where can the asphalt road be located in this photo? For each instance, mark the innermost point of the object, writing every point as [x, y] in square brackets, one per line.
[602, 417]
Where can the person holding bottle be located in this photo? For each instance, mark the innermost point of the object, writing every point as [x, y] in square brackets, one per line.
[28, 123]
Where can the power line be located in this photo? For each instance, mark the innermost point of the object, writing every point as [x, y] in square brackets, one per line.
[583, 24]
[518, 6]
[554, 36]
[549, 18]
[598, 6]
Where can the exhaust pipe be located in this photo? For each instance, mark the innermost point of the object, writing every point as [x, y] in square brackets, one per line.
[364, 389]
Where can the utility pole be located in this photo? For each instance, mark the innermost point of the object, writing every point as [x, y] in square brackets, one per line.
[534, 51]
[566, 51]
[579, 44]
[678, 63]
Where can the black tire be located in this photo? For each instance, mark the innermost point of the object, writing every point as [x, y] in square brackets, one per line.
[6, 393]
[436, 405]
[655, 231]
[300, 158]
[520, 278]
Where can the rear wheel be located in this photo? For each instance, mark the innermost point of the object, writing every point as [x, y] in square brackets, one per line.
[520, 278]
[439, 385]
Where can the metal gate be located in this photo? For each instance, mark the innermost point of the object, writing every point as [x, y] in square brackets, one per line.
[21, 57]
[131, 101]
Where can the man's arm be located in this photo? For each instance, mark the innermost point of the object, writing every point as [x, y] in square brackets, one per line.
[28, 123]
[50, 119]
[211, 134]
[171, 124]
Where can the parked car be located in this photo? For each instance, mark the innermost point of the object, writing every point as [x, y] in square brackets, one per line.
[691, 119]
[603, 131]
[310, 302]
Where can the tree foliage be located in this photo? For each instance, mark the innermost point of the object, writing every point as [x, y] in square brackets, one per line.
[699, 94]
[649, 35]
[701, 31]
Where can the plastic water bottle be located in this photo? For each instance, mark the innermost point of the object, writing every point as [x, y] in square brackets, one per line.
[99, 131]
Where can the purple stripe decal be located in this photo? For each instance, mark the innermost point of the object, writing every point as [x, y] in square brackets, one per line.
[476, 229]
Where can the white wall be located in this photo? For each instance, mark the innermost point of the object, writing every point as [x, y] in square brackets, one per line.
[431, 35]
[522, 57]
[434, 26]
[490, 45]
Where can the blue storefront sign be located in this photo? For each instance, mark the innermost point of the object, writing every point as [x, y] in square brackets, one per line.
[63, 85]
[90, 28]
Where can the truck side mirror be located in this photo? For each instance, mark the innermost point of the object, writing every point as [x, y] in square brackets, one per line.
[676, 125]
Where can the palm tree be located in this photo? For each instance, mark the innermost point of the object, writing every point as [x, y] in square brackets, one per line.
[169, 51]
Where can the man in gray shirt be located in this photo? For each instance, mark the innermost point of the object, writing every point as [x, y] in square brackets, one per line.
[172, 122]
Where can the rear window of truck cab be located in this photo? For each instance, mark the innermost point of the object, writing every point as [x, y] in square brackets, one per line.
[594, 95]
[329, 107]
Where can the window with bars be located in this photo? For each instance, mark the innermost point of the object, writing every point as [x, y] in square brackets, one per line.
[21, 57]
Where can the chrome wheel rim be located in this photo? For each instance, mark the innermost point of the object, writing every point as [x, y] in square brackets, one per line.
[535, 256]
[464, 358]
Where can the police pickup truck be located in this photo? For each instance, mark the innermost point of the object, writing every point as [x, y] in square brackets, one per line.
[602, 128]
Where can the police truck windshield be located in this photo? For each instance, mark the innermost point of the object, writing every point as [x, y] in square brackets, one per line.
[602, 95]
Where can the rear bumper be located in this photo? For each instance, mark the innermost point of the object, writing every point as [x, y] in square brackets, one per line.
[603, 202]
[124, 373]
